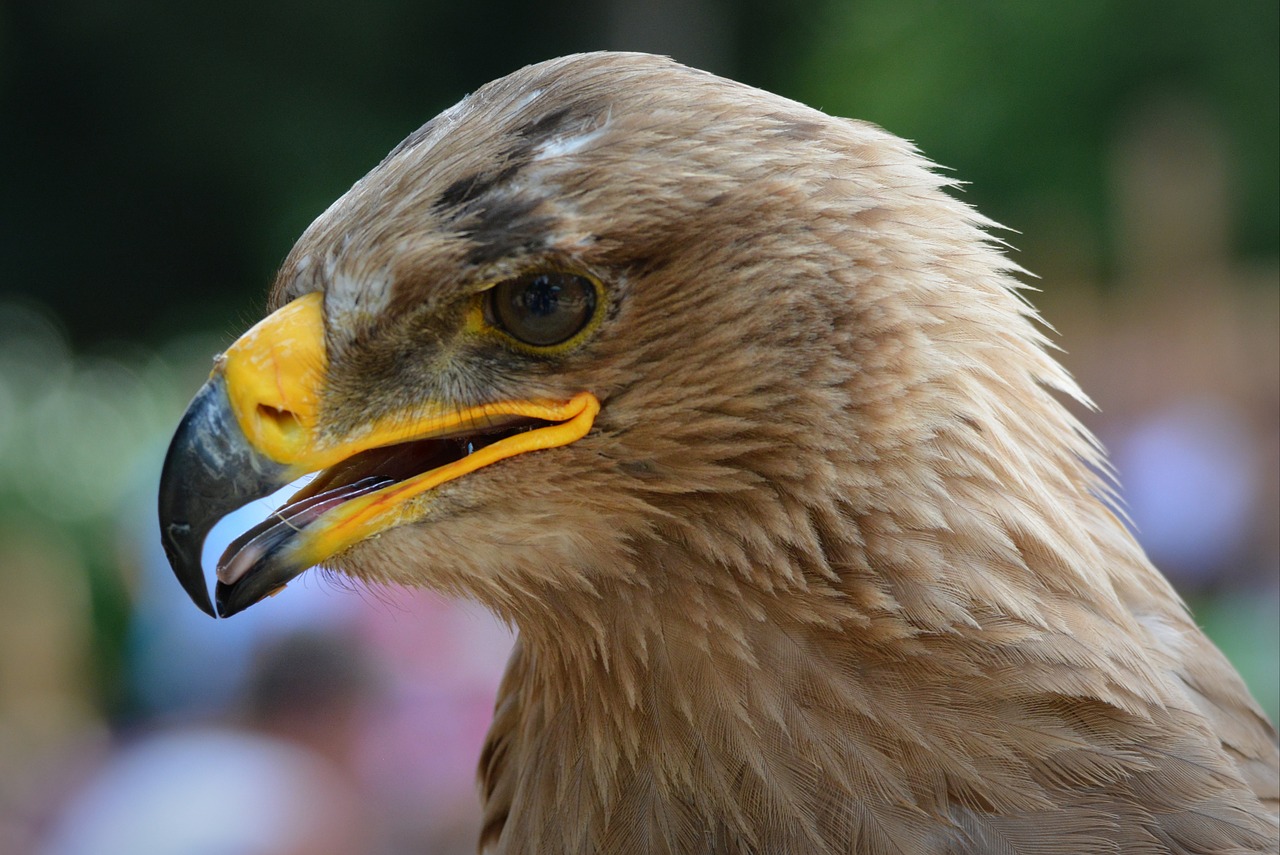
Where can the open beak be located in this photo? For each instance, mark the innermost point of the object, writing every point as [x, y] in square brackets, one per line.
[257, 425]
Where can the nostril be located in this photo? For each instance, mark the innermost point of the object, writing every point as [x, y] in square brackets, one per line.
[285, 422]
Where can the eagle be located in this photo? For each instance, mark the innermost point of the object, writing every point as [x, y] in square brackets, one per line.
[743, 421]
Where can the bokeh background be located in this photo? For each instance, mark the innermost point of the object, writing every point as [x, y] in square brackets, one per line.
[159, 158]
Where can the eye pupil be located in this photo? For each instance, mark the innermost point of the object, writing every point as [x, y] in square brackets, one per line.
[543, 309]
[542, 297]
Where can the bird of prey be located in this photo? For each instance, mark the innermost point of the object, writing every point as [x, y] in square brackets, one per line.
[740, 418]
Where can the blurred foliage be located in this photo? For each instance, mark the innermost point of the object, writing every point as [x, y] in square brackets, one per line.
[170, 152]
[164, 155]
[1023, 100]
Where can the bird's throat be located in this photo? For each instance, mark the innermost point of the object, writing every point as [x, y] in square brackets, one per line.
[628, 722]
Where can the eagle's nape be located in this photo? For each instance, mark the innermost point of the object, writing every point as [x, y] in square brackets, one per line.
[740, 418]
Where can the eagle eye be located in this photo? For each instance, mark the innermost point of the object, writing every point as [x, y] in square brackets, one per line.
[543, 309]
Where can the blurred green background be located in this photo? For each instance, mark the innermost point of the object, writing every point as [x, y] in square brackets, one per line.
[161, 157]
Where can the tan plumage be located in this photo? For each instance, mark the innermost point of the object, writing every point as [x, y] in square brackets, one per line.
[833, 572]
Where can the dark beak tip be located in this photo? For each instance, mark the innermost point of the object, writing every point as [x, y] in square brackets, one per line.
[229, 603]
[209, 471]
[225, 609]
[201, 598]
[190, 577]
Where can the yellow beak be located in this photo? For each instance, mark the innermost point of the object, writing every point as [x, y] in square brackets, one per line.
[259, 424]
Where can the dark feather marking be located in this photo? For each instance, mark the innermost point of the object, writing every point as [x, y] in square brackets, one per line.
[470, 188]
[547, 126]
[575, 118]
[507, 227]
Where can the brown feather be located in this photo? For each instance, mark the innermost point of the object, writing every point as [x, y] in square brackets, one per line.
[835, 571]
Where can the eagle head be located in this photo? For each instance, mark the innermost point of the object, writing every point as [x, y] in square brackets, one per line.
[739, 416]
[605, 301]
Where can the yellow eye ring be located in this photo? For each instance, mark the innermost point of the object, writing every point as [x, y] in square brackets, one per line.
[542, 312]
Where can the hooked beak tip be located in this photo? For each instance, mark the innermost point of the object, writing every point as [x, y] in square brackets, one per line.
[209, 471]
[187, 568]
